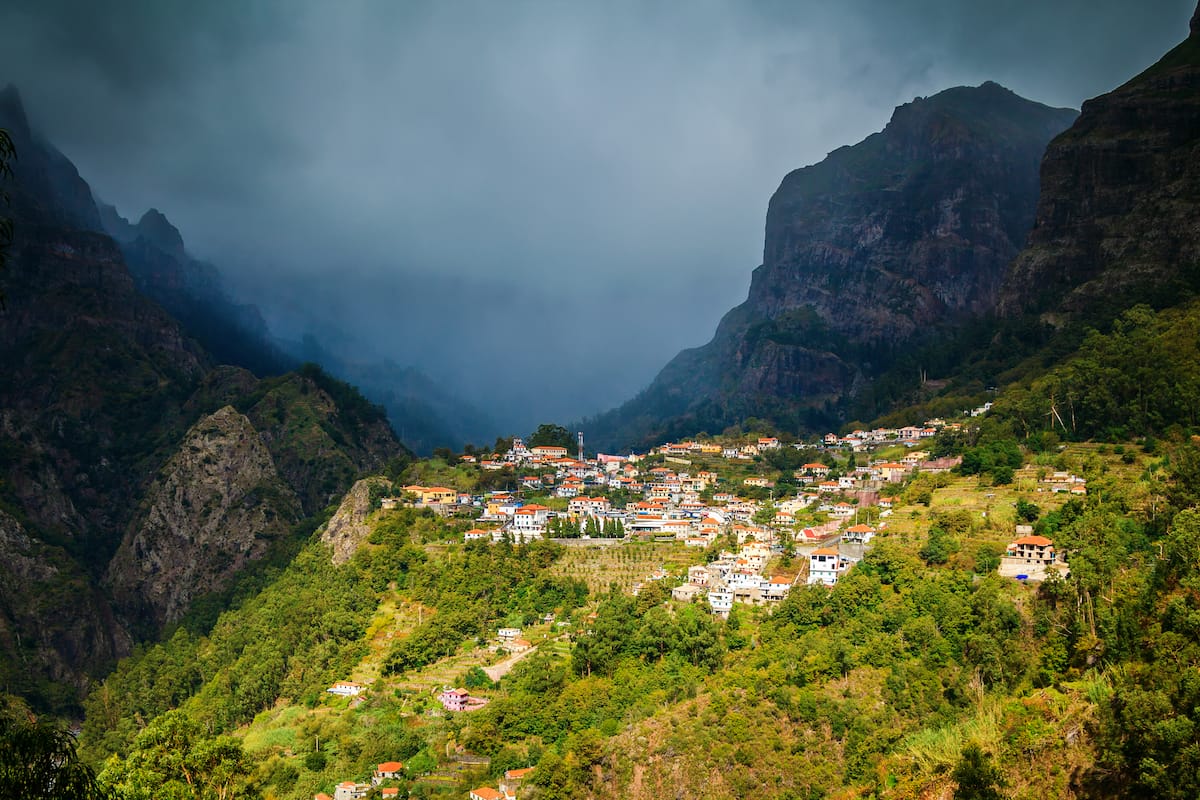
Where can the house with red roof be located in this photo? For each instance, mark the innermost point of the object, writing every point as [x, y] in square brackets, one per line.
[386, 771]
[825, 566]
[1031, 557]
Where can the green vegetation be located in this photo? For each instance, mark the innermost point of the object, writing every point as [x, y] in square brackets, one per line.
[921, 671]
[550, 435]
[38, 759]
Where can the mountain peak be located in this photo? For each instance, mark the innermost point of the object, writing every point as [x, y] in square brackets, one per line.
[156, 229]
[1195, 27]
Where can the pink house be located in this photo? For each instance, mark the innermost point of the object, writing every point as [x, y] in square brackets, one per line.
[454, 699]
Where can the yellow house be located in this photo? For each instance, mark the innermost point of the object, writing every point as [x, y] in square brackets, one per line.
[431, 495]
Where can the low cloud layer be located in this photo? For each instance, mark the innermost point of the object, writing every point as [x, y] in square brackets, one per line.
[537, 202]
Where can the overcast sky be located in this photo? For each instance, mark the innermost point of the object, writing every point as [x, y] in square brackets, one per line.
[539, 202]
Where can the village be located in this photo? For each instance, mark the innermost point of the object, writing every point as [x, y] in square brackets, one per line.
[814, 521]
[762, 530]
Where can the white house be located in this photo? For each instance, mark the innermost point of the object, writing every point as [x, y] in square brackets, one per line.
[349, 790]
[530, 519]
[720, 600]
[346, 689]
[825, 565]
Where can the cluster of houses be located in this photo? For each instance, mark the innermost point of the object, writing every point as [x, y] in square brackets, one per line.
[1063, 482]
[507, 789]
[735, 578]
[388, 771]
[670, 504]
[673, 501]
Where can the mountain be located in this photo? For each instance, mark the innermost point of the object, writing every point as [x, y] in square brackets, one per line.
[424, 413]
[891, 242]
[136, 475]
[1117, 221]
[192, 292]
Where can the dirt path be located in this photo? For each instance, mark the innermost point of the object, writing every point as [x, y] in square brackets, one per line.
[500, 669]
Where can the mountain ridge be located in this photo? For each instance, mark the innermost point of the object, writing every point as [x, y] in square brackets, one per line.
[895, 239]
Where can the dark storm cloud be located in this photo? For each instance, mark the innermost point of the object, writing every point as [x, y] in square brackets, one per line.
[541, 201]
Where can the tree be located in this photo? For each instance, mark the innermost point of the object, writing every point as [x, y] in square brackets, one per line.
[938, 547]
[1027, 511]
[977, 777]
[549, 435]
[38, 760]
[765, 514]
[172, 759]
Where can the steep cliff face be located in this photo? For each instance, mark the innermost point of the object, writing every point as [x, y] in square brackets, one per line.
[347, 529]
[193, 293]
[47, 189]
[1118, 221]
[214, 507]
[322, 434]
[904, 235]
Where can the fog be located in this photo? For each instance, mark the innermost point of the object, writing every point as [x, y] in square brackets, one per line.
[537, 203]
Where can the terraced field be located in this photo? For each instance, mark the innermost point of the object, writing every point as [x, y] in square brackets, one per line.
[624, 564]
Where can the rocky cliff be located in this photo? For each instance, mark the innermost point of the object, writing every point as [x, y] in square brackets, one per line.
[894, 240]
[214, 507]
[1118, 221]
[193, 292]
[347, 529]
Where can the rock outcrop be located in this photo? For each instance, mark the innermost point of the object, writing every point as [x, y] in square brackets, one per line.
[215, 506]
[894, 240]
[1118, 221]
[348, 528]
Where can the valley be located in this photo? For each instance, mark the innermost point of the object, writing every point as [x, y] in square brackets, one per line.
[920, 522]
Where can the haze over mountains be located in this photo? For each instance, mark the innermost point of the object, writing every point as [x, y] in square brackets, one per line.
[479, 195]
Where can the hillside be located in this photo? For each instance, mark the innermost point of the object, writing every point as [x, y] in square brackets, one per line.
[876, 686]
[880, 247]
[101, 406]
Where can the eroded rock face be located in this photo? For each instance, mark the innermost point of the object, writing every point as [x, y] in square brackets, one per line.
[40, 583]
[1118, 221]
[903, 235]
[215, 506]
[348, 528]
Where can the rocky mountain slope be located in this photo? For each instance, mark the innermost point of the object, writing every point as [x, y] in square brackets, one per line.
[127, 488]
[1118, 220]
[219, 483]
[892, 241]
